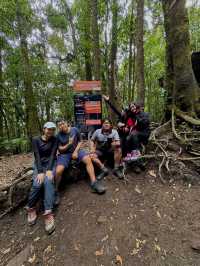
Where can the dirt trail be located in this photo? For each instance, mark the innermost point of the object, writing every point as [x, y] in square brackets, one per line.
[141, 223]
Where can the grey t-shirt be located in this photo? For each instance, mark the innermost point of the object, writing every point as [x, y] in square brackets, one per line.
[104, 140]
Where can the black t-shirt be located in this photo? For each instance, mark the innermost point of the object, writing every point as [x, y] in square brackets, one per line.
[44, 152]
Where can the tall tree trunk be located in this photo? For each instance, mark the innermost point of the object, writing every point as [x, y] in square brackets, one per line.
[87, 41]
[1, 95]
[130, 60]
[134, 73]
[140, 52]
[95, 39]
[180, 81]
[88, 66]
[69, 17]
[106, 53]
[113, 56]
[32, 120]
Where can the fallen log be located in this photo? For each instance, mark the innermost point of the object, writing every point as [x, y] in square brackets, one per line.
[14, 194]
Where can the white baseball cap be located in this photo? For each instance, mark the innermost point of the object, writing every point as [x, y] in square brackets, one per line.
[49, 125]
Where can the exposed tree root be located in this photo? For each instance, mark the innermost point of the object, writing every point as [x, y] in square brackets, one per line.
[175, 145]
[186, 117]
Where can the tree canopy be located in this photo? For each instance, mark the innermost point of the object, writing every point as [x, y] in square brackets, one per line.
[46, 45]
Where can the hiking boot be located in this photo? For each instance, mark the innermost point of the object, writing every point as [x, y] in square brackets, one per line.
[98, 188]
[32, 216]
[137, 169]
[49, 223]
[118, 172]
[104, 172]
[57, 199]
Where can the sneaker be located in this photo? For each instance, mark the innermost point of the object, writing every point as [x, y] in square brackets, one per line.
[104, 172]
[32, 216]
[118, 172]
[128, 157]
[57, 199]
[98, 188]
[138, 153]
[135, 154]
[49, 223]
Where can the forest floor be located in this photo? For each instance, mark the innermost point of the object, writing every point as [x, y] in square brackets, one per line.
[141, 223]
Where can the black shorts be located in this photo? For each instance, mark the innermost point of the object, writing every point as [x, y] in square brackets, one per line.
[106, 155]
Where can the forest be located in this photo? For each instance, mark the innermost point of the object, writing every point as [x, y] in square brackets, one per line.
[137, 49]
[146, 56]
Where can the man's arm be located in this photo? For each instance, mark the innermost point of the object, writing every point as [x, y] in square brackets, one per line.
[75, 153]
[37, 155]
[64, 148]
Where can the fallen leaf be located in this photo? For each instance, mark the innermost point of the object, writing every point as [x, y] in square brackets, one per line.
[76, 247]
[48, 249]
[117, 189]
[105, 238]
[157, 248]
[119, 259]
[137, 190]
[70, 203]
[101, 219]
[99, 252]
[32, 259]
[116, 248]
[85, 213]
[152, 173]
[134, 251]
[158, 214]
[36, 239]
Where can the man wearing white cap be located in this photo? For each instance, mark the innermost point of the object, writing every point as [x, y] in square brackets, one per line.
[44, 148]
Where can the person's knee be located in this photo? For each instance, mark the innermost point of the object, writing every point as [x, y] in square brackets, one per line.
[87, 160]
[36, 184]
[59, 170]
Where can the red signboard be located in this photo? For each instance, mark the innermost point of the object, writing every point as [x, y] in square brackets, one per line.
[81, 86]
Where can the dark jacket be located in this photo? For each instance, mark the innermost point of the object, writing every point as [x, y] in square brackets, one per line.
[142, 118]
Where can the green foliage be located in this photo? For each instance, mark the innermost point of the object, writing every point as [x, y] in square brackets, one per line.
[56, 19]
[194, 17]
[14, 146]
[54, 65]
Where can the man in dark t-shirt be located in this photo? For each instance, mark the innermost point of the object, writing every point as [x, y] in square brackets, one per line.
[68, 139]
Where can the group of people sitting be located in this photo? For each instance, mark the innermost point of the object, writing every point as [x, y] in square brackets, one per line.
[53, 155]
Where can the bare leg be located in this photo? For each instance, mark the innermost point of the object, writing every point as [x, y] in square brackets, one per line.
[117, 156]
[59, 171]
[96, 160]
[90, 168]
